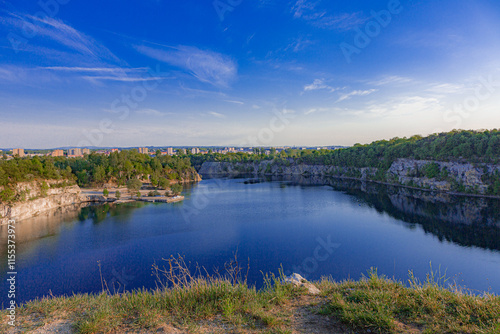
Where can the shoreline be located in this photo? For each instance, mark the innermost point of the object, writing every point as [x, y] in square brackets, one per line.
[82, 196]
[453, 193]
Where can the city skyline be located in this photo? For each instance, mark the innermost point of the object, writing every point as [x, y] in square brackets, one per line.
[240, 73]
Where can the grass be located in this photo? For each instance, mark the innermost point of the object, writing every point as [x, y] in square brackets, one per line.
[194, 302]
[387, 306]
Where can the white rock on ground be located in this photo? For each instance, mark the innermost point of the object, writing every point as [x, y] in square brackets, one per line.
[298, 280]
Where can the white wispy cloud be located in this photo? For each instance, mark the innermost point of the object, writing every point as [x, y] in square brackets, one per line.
[207, 66]
[391, 80]
[94, 69]
[317, 85]
[216, 114]
[121, 78]
[310, 12]
[347, 96]
[55, 30]
[234, 101]
[409, 105]
[446, 88]
[152, 112]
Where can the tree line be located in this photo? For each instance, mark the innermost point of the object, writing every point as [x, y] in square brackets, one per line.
[94, 170]
[457, 145]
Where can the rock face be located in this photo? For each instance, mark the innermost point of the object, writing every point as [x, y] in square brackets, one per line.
[39, 201]
[406, 172]
[298, 281]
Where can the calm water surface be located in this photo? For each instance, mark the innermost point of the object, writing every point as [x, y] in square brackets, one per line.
[339, 230]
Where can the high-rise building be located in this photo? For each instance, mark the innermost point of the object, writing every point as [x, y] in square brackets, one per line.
[57, 153]
[170, 150]
[195, 150]
[75, 152]
[18, 151]
[85, 151]
[143, 150]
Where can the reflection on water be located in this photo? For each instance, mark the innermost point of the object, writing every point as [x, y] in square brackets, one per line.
[464, 220]
[98, 213]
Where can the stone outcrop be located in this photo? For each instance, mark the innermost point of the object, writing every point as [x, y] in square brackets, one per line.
[405, 172]
[39, 200]
[300, 281]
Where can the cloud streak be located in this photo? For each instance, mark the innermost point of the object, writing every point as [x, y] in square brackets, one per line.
[207, 66]
[318, 84]
[308, 11]
[347, 96]
[55, 30]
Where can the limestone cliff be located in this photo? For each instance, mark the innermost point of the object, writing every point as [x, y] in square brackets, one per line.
[37, 199]
[449, 176]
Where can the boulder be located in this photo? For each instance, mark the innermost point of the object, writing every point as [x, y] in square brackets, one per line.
[298, 280]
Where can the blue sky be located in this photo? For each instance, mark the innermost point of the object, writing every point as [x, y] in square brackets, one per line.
[244, 73]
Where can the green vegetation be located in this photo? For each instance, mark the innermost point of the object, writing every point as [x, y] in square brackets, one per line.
[386, 306]
[154, 193]
[457, 145]
[217, 303]
[120, 168]
[37, 169]
[105, 192]
[134, 185]
[118, 194]
[176, 188]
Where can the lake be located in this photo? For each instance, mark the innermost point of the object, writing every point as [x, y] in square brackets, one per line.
[316, 227]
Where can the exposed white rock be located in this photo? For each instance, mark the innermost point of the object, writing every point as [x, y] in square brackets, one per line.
[298, 280]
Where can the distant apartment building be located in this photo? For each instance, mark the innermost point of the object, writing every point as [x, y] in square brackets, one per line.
[75, 153]
[170, 150]
[195, 150]
[115, 150]
[18, 151]
[85, 150]
[143, 150]
[57, 153]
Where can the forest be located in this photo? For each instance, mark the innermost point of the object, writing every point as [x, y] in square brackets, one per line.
[94, 170]
[457, 145]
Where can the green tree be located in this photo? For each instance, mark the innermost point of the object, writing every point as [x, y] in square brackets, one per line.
[176, 188]
[105, 192]
[133, 185]
[163, 183]
[99, 174]
[117, 194]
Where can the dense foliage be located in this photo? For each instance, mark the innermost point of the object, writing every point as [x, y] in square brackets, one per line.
[457, 145]
[94, 170]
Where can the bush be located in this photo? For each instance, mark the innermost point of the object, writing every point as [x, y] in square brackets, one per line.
[105, 192]
[431, 170]
[117, 194]
[176, 188]
[153, 193]
[134, 185]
